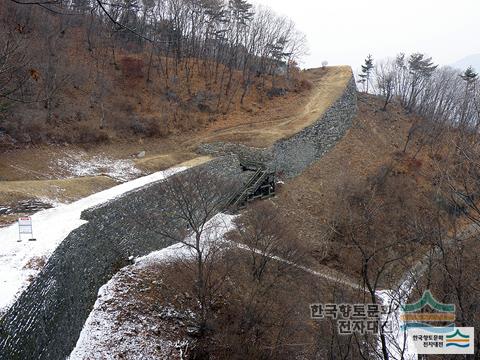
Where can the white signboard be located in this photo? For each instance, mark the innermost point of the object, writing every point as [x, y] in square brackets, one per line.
[25, 225]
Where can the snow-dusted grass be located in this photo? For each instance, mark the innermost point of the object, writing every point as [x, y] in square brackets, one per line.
[50, 227]
[105, 337]
[131, 338]
[79, 164]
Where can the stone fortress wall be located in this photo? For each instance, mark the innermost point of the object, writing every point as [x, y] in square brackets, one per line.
[290, 156]
[47, 318]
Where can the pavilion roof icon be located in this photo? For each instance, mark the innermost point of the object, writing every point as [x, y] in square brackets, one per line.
[428, 299]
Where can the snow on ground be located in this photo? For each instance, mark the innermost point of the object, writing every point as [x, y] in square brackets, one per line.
[213, 233]
[399, 345]
[397, 341]
[50, 227]
[394, 298]
[105, 336]
[80, 164]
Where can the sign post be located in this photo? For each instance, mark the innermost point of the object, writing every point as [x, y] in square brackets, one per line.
[25, 227]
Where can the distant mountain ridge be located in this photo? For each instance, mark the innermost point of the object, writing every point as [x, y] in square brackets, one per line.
[470, 60]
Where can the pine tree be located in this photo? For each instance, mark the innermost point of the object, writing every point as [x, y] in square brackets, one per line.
[420, 69]
[241, 11]
[366, 72]
[278, 56]
[470, 76]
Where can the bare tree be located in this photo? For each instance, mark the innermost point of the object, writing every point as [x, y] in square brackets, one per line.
[263, 310]
[187, 204]
[14, 62]
[385, 81]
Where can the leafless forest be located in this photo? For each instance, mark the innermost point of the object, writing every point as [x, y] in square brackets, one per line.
[63, 64]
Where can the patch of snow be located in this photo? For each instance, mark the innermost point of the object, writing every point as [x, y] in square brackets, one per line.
[80, 164]
[50, 227]
[102, 327]
[97, 340]
[399, 345]
[214, 231]
[53, 202]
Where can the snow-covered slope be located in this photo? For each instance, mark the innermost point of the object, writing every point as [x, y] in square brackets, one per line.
[105, 336]
[21, 261]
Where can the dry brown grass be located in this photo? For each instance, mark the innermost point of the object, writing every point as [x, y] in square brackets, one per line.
[36, 263]
[195, 161]
[313, 199]
[368, 144]
[165, 161]
[282, 118]
[64, 190]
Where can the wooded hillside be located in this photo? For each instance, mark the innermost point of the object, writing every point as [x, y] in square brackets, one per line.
[88, 71]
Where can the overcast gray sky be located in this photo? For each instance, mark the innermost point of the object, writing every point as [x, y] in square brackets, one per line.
[345, 31]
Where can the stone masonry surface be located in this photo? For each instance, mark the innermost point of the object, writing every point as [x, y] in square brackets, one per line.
[290, 156]
[46, 320]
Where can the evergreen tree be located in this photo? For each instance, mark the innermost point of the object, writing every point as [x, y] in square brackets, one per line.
[366, 72]
[421, 66]
[241, 11]
[278, 56]
[469, 76]
[420, 70]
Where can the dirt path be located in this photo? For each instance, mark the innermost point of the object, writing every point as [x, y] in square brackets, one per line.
[59, 174]
[323, 272]
[328, 85]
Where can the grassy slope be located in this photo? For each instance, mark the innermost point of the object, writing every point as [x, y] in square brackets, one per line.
[62, 190]
[313, 199]
[287, 117]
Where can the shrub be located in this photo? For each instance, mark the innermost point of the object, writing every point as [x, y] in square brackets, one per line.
[379, 178]
[277, 92]
[88, 135]
[303, 85]
[132, 68]
[414, 164]
[149, 127]
[37, 131]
